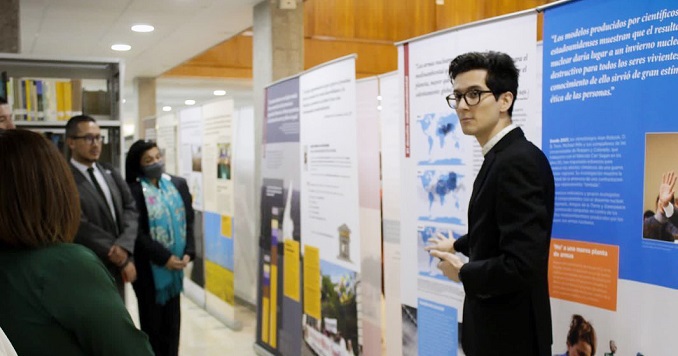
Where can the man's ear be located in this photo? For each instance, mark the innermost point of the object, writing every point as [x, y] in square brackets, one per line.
[505, 101]
[70, 143]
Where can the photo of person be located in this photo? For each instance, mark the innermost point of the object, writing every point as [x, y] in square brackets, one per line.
[660, 221]
[336, 332]
[196, 158]
[224, 161]
[658, 226]
[581, 338]
[613, 349]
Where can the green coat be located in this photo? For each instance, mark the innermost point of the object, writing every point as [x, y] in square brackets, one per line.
[61, 300]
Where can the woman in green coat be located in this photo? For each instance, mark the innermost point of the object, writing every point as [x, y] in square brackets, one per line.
[56, 298]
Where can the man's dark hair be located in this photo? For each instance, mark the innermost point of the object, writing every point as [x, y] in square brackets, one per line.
[3, 101]
[133, 160]
[502, 74]
[648, 214]
[72, 124]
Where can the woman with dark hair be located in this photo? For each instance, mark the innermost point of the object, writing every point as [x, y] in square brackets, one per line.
[581, 339]
[164, 244]
[57, 297]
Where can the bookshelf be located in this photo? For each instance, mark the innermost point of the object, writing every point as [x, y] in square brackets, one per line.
[44, 92]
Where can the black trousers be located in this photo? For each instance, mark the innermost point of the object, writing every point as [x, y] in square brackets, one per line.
[161, 323]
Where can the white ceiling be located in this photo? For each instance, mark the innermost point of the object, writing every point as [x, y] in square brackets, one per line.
[183, 29]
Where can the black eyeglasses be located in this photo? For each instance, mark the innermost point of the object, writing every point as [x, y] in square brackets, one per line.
[91, 139]
[471, 97]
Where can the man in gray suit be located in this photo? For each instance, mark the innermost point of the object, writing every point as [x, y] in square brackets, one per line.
[108, 224]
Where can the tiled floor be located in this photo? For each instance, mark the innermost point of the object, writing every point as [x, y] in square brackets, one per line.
[203, 335]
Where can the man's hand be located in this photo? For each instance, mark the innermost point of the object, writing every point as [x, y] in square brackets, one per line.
[175, 264]
[450, 264]
[117, 255]
[666, 188]
[129, 272]
[441, 243]
[186, 260]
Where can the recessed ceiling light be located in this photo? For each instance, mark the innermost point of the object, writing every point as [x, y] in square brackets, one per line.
[220, 92]
[189, 102]
[143, 28]
[166, 108]
[124, 101]
[121, 47]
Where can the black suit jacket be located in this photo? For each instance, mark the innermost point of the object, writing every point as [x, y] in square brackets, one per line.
[149, 251]
[507, 309]
[98, 230]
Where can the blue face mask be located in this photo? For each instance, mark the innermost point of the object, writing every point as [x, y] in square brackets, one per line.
[153, 171]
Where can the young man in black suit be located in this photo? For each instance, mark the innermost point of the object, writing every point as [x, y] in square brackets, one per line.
[108, 224]
[507, 309]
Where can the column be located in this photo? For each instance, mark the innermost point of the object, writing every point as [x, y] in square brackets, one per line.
[278, 47]
[9, 27]
[146, 105]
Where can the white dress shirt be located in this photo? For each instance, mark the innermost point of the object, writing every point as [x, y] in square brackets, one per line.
[102, 183]
[496, 138]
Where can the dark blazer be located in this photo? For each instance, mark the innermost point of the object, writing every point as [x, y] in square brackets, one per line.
[98, 230]
[507, 309]
[160, 322]
[149, 251]
[656, 230]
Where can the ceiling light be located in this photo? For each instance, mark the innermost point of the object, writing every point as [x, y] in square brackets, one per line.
[143, 28]
[189, 102]
[166, 108]
[220, 92]
[124, 101]
[121, 47]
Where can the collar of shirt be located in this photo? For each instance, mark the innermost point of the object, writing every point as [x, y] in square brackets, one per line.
[83, 168]
[493, 141]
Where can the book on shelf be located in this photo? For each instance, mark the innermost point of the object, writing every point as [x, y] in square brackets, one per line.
[4, 80]
[35, 99]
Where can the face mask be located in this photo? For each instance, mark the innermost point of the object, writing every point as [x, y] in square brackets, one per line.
[154, 171]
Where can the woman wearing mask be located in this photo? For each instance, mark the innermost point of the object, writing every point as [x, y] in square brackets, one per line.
[57, 297]
[164, 245]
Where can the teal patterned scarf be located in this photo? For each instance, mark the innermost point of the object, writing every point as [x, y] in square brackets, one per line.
[167, 225]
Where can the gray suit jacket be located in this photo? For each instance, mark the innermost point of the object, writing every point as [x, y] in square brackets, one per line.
[98, 230]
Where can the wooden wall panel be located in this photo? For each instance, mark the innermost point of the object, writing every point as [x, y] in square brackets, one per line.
[455, 13]
[502, 7]
[334, 28]
[372, 58]
[309, 18]
[411, 18]
[230, 59]
[371, 19]
[333, 18]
